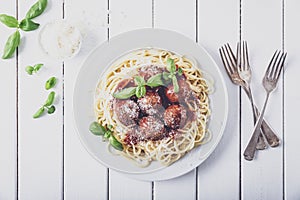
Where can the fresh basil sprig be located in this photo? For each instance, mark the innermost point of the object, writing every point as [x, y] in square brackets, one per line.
[26, 25]
[140, 89]
[9, 21]
[107, 133]
[33, 69]
[171, 75]
[11, 45]
[48, 105]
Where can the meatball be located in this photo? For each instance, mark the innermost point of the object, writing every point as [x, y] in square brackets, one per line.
[175, 116]
[151, 103]
[170, 94]
[185, 92]
[151, 128]
[149, 71]
[127, 111]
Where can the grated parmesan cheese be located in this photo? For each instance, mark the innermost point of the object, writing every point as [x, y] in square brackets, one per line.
[60, 40]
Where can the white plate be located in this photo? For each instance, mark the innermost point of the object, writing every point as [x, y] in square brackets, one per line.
[101, 58]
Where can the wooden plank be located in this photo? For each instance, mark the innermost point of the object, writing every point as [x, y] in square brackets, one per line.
[129, 15]
[223, 164]
[262, 178]
[292, 97]
[8, 117]
[40, 140]
[84, 177]
[182, 187]
[125, 16]
[178, 16]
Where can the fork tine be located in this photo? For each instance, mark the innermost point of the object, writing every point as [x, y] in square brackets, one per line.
[238, 56]
[276, 65]
[225, 61]
[231, 57]
[271, 64]
[281, 64]
[246, 55]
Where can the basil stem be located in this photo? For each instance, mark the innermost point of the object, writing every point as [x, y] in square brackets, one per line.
[29, 70]
[115, 143]
[50, 83]
[50, 99]
[175, 84]
[155, 81]
[11, 45]
[9, 21]
[51, 109]
[107, 134]
[171, 67]
[39, 112]
[125, 93]
[180, 72]
[28, 25]
[36, 9]
[97, 129]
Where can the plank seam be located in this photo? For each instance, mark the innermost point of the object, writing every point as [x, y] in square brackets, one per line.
[153, 14]
[240, 112]
[17, 112]
[283, 103]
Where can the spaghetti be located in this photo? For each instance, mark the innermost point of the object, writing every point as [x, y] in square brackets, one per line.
[162, 125]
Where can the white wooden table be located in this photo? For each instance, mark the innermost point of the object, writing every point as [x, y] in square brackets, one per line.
[44, 159]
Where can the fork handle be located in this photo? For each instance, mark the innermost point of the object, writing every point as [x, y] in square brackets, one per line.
[268, 132]
[251, 147]
[261, 144]
[271, 137]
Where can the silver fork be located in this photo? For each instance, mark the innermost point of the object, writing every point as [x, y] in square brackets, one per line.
[229, 62]
[244, 71]
[269, 82]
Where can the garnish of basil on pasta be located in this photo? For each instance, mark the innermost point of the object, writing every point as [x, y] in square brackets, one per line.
[171, 75]
[140, 89]
[99, 130]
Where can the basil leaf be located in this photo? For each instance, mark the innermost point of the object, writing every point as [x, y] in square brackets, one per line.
[11, 45]
[155, 81]
[39, 112]
[29, 70]
[115, 143]
[180, 72]
[175, 84]
[28, 25]
[37, 67]
[139, 80]
[125, 93]
[171, 65]
[50, 83]
[97, 129]
[9, 21]
[36, 9]
[140, 91]
[50, 99]
[51, 110]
